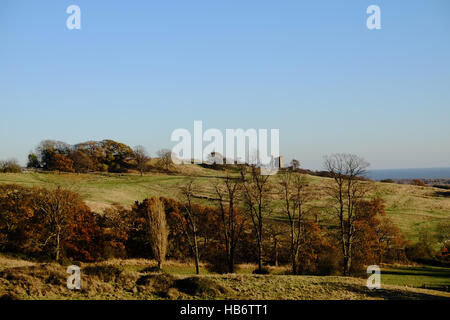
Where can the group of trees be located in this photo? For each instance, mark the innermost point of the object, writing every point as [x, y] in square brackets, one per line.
[251, 218]
[51, 223]
[102, 156]
[10, 166]
[248, 218]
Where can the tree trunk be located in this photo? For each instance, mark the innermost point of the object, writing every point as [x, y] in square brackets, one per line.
[293, 257]
[196, 255]
[259, 255]
[276, 252]
[57, 244]
[231, 260]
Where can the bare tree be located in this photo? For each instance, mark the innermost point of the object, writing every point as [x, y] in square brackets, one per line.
[10, 166]
[158, 230]
[295, 164]
[276, 231]
[256, 198]
[294, 196]
[55, 205]
[215, 158]
[141, 157]
[165, 159]
[346, 191]
[232, 222]
[189, 223]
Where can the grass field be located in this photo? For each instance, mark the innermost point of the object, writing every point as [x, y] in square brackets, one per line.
[136, 279]
[427, 277]
[411, 208]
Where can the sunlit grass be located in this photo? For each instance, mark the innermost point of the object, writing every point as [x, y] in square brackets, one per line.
[427, 277]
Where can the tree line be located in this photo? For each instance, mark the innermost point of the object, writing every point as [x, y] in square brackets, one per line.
[94, 156]
[247, 218]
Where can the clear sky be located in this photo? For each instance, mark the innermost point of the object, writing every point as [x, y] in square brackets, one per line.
[137, 70]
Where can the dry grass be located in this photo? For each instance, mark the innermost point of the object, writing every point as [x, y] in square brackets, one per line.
[137, 279]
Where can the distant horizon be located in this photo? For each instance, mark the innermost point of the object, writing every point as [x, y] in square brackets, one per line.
[410, 173]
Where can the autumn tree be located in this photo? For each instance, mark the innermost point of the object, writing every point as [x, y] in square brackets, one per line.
[158, 230]
[82, 162]
[96, 153]
[117, 156]
[54, 156]
[345, 192]
[16, 213]
[54, 207]
[141, 157]
[59, 162]
[116, 223]
[41, 223]
[418, 182]
[256, 197]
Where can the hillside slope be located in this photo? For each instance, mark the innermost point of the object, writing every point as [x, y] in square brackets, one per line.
[411, 208]
[134, 279]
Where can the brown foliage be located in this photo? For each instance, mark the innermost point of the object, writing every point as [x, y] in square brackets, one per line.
[418, 182]
[376, 239]
[158, 230]
[48, 223]
[59, 162]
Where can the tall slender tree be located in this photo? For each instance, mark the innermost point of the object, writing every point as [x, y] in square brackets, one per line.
[345, 192]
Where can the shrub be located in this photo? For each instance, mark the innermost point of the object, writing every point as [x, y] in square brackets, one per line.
[10, 166]
[217, 264]
[33, 161]
[261, 271]
[159, 283]
[418, 182]
[200, 286]
[328, 261]
[423, 250]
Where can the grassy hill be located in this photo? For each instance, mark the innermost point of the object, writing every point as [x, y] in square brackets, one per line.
[136, 279]
[411, 208]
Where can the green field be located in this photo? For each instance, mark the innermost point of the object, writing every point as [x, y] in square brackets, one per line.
[411, 208]
[436, 278]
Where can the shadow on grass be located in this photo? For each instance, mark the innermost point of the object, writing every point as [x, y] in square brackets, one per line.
[392, 294]
[445, 194]
[434, 274]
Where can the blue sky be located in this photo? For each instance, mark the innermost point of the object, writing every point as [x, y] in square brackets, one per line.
[137, 70]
